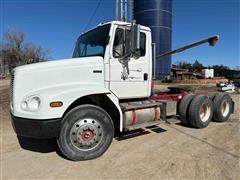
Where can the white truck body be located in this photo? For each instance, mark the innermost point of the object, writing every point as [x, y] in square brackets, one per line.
[105, 89]
[70, 79]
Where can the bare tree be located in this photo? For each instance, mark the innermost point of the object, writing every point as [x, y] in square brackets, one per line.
[183, 65]
[197, 66]
[14, 51]
[34, 53]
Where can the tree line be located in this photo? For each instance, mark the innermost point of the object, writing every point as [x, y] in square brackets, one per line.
[197, 67]
[15, 51]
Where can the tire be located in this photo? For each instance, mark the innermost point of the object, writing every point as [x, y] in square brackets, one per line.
[86, 133]
[223, 107]
[200, 111]
[212, 95]
[184, 107]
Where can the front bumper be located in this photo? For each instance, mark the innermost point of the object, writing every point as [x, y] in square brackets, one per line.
[33, 128]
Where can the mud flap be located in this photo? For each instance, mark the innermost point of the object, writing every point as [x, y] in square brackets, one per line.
[233, 107]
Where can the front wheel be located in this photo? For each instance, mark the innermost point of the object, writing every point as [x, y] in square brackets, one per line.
[86, 133]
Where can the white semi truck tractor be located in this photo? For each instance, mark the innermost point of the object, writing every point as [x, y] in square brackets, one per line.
[104, 90]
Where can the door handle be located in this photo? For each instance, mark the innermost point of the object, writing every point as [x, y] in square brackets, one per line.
[145, 76]
[136, 70]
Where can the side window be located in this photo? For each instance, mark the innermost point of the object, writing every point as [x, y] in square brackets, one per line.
[142, 44]
[118, 46]
[121, 44]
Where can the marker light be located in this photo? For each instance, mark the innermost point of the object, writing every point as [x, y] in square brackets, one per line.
[180, 97]
[56, 104]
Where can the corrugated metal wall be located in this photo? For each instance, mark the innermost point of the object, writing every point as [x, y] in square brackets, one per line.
[157, 14]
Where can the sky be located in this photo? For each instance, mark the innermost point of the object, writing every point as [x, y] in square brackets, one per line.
[56, 24]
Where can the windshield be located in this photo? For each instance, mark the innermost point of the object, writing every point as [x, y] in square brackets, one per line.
[92, 43]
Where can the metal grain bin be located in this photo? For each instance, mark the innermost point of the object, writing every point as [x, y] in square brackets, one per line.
[157, 14]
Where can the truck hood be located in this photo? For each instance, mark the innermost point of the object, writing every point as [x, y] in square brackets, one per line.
[67, 63]
[34, 87]
[60, 72]
[57, 77]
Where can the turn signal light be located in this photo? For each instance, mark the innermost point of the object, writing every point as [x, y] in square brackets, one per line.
[56, 104]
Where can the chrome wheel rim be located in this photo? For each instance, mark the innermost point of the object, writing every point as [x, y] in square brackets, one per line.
[205, 112]
[86, 134]
[225, 108]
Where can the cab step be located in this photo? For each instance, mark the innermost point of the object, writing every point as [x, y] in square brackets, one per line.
[143, 125]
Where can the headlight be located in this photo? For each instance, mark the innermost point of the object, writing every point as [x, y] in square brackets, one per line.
[31, 103]
[34, 103]
[24, 105]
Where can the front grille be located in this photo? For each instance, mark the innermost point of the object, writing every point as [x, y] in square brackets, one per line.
[11, 87]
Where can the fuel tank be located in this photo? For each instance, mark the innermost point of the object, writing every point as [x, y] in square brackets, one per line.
[139, 112]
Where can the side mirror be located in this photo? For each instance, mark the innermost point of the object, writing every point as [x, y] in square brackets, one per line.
[135, 38]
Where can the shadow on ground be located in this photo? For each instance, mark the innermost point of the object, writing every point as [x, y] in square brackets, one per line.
[40, 145]
[139, 132]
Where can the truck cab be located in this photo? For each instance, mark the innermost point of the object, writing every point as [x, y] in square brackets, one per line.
[126, 76]
[103, 90]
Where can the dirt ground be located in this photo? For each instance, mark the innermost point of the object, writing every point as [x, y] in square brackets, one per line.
[169, 151]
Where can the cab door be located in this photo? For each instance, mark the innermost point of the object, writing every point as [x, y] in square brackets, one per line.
[129, 76]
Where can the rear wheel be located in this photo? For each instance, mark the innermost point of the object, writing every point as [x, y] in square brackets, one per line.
[200, 111]
[184, 107]
[86, 133]
[223, 107]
